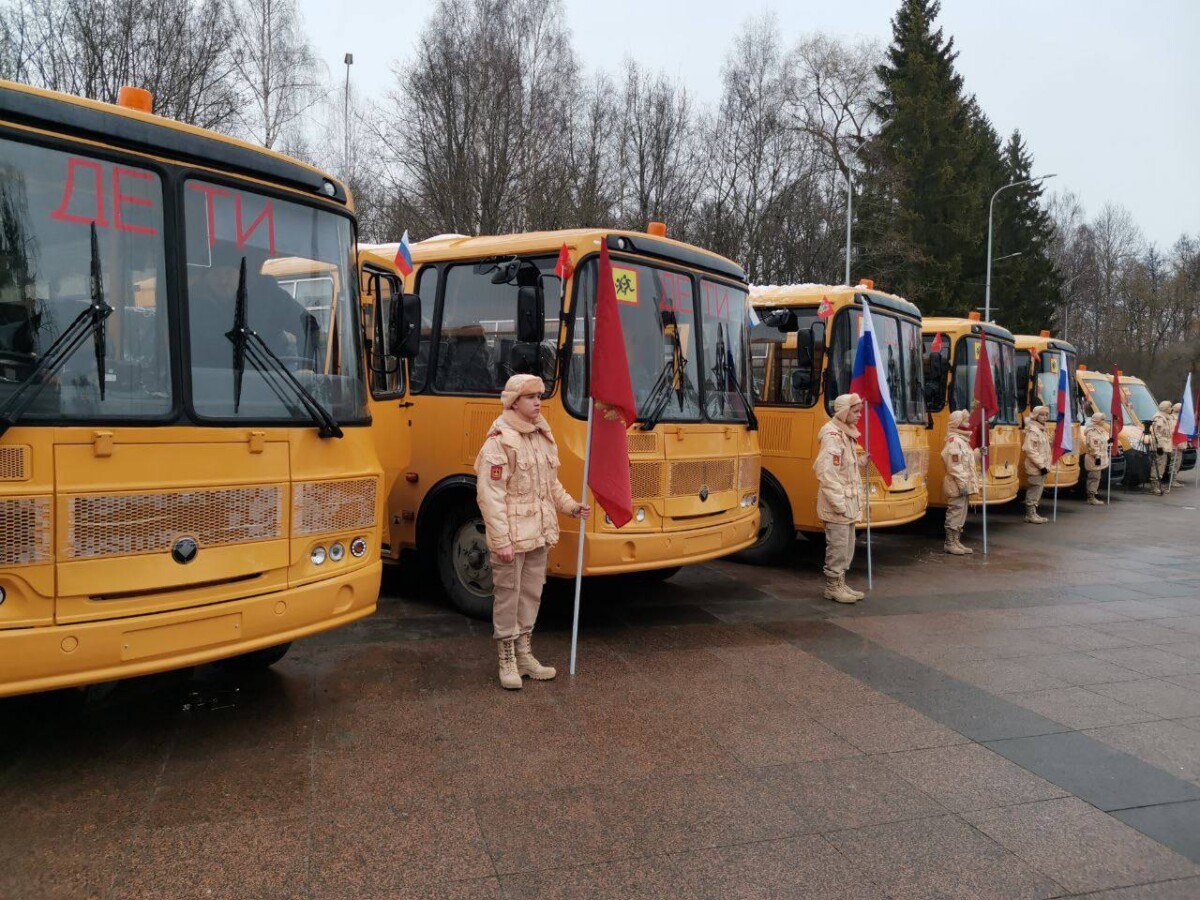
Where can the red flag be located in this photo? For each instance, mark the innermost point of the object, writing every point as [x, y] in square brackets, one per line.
[987, 404]
[614, 408]
[564, 268]
[1116, 412]
[936, 346]
[825, 310]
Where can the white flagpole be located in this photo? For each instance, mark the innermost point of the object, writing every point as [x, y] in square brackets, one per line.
[1054, 516]
[986, 467]
[589, 327]
[867, 488]
[587, 461]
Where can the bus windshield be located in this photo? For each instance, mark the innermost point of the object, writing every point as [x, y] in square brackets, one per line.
[1002, 361]
[901, 348]
[300, 288]
[1049, 367]
[1144, 405]
[51, 205]
[1100, 392]
[675, 378]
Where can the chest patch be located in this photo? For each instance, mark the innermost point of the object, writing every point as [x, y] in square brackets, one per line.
[497, 473]
[837, 459]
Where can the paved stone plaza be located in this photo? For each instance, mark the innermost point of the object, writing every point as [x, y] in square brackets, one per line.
[1026, 726]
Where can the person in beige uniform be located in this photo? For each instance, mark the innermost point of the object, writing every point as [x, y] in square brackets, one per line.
[1097, 447]
[961, 481]
[840, 495]
[1176, 449]
[1037, 462]
[520, 497]
[1158, 444]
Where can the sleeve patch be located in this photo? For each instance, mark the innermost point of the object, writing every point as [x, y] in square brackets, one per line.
[497, 473]
[837, 459]
[953, 457]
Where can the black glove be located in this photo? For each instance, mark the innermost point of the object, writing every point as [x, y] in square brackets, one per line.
[1097, 460]
[1045, 471]
[1110, 440]
[1160, 451]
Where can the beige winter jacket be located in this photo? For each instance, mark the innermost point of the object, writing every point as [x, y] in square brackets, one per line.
[962, 473]
[517, 486]
[1096, 446]
[840, 497]
[1036, 448]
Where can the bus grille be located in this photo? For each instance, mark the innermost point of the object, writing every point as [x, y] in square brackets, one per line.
[320, 507]
[642, 442]
[14, 463]
[25, 531]
[645, 479]
[127, 524]
[688, 477]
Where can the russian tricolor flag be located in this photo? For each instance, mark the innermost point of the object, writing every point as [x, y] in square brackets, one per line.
[404, 255]
[1185, 428]
[1064, 431]
[879, 435]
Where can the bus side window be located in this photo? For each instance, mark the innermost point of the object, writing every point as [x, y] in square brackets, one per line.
[427, 291]
[387, 374]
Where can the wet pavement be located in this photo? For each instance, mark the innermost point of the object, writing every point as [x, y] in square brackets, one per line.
[1026, 725]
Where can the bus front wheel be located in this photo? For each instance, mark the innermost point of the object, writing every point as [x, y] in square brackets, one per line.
[462, 560]
[776, 533]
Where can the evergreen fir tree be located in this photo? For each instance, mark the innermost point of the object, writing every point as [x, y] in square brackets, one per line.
[921, 227]
[1025, 289]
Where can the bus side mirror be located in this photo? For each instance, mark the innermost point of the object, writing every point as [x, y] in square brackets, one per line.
[404, 326]
[531, 314]
[782, 320]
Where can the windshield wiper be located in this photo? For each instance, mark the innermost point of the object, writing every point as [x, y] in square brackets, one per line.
[725, 372]
[89, 322]
[248, 345]
[673, 376]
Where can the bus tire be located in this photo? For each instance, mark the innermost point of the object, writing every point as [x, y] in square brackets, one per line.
[776, 534]
[257, 660]
[463, 565]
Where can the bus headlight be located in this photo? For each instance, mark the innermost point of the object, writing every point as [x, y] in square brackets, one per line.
[358, 547]
[317, 557]
[337, 552]
[640, 515]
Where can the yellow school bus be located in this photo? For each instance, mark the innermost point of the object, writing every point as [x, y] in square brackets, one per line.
[801, 363]
[1143, 405]
[187, 472]
[1039, 359]
[1130, 466]
[949, 385]
[492, 306]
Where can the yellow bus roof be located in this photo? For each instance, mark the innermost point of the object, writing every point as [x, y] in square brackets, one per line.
[1042, 342]
[579, 241]
[157, 135]
[955, 325]
[838, 295]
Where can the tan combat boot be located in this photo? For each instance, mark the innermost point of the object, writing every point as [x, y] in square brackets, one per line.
[1093, 500]
[527, 664]
[962, 549]
[952, 546]
[510, 678]
[1032, 517]
[834, 592]
[857, 595]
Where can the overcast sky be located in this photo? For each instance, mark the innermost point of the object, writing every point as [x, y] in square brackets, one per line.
[1106, 92]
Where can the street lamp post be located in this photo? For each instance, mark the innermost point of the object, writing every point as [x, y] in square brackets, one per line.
[850, 199]
[987, 293]
[349, 60]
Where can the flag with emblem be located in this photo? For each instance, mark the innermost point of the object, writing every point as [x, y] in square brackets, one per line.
[936, 346]
[1064, 427]
[825, 310]
[613, 406]
[1116, 411]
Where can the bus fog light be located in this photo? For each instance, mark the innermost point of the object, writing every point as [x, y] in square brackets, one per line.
[337, 552]
[317, 556]
[358, 547]
[641, 515]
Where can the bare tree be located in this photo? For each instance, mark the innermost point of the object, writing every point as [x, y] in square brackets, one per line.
[278, 74]
[176, 49]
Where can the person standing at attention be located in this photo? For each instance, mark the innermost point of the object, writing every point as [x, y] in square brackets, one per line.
[1098, 446]
[961, 481]
[1037, 462]
[840, 495]
[520, 497]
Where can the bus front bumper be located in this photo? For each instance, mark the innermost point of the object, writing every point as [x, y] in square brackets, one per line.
[61, 656]
[897, 508]
[614, 554]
